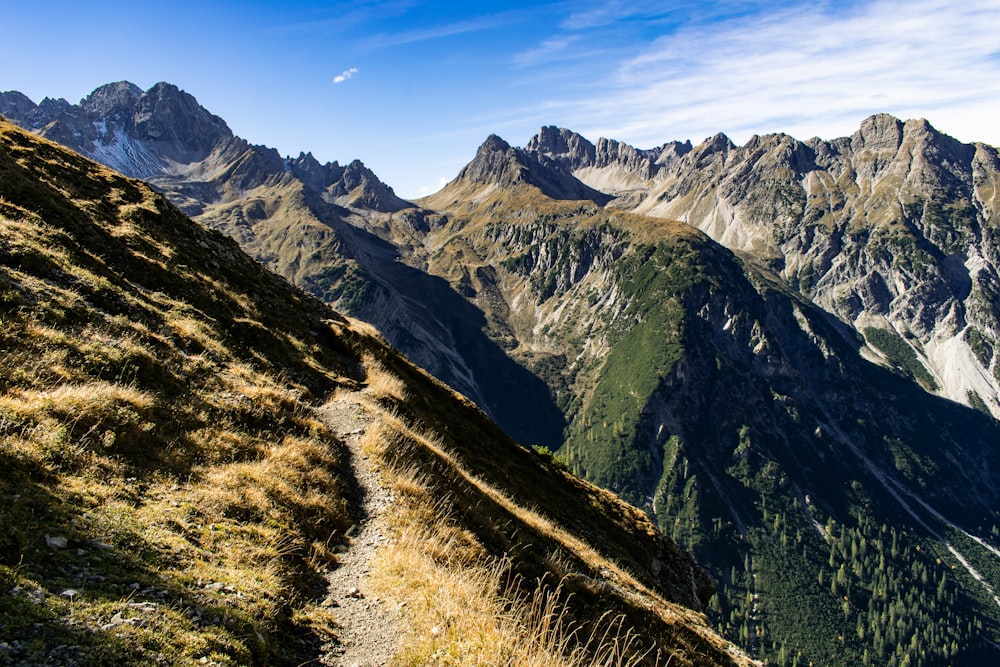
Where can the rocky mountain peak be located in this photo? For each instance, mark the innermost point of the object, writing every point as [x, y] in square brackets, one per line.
[719, 143]
[565, 145]
[14, 104]
[179, 128]
[670, 151]
[315, 175]
[610, 166]
[50, 106]
[113, 98]
[645, 164]
[878, 132]
[358, 186]
[495, 162]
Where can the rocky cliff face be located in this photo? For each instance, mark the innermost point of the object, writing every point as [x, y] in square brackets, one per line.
[609, 166]
[498, 165]
[891, 229]
[163, 135]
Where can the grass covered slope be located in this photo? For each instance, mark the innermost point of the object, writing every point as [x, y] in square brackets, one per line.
[171, 492]
[166, 490]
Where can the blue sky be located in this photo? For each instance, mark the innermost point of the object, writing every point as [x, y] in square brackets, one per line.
[412, 88]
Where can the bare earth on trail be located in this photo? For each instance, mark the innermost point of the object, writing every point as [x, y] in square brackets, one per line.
[369, 630]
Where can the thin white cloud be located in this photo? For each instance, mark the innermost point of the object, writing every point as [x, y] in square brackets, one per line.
[807, 70]
[606, 13]
[345, 75]
[550, 49]
[426, 189]
[465, 26]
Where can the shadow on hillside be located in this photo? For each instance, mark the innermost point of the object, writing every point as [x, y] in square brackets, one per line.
[429, 321]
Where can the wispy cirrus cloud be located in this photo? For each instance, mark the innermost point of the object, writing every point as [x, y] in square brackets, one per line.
[550, 49]
[439, 31]
[345, 75]
[805, 69]
[606, 13]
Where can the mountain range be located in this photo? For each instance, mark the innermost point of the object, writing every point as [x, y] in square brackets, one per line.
[784, 352]
[185, 439]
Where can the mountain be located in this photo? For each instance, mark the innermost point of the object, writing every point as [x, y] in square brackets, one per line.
[175, 488]
[314, 224]
[749, 423]
[767, 348]
[893, 230]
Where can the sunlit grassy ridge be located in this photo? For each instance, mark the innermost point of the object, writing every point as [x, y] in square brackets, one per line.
[166, 490]
[485, 579]
[170, 495]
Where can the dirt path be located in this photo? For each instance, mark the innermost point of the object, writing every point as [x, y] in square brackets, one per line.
[370, 629]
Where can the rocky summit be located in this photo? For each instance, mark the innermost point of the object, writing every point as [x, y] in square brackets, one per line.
[784, 353]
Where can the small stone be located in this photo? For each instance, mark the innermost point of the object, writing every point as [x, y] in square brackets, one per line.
[355, 593]
[216, 586]
[100, 546]
[329, 602]
[69, 593]
[114, 622]
[56, 542]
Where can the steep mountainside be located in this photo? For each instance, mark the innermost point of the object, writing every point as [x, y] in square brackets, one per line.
[173, 493]
[743, 418]
[306, 221]
[894, 230]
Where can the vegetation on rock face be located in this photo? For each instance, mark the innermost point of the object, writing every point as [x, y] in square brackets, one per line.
[604, 440]
[172, 496]
[900, 355]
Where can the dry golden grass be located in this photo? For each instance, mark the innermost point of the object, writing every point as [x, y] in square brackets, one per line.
[464, 606]
[381, 384]
[156, 451]
[394, 427]
[468, 602]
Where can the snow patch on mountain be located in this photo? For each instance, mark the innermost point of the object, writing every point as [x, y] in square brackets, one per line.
[122, 153]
